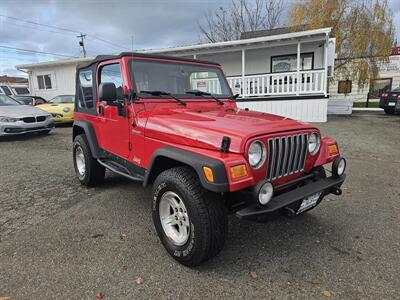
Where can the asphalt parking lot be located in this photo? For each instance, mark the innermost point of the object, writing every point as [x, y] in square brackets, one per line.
[63, 241]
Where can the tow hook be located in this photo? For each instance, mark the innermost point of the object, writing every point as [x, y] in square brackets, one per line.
[336, 191]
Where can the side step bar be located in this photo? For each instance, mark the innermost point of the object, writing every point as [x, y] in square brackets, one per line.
[120, 170]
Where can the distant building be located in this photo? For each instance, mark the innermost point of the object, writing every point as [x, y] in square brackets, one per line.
[279, 71]
[389, 78]
[10, 85]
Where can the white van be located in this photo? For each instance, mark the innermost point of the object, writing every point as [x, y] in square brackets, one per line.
[14, 89]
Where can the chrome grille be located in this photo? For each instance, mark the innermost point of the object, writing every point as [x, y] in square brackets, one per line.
[286, 155]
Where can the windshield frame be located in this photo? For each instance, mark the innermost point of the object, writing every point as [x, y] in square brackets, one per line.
[179, 95]
[12, 99]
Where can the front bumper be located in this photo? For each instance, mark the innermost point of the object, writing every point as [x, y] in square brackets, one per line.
[62, 118]
[390, 104]
[324, 186]
[8, 129]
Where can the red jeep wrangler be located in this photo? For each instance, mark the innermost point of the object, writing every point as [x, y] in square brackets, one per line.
[174, 123]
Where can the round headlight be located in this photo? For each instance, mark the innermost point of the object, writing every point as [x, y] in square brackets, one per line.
[66, 109]
[313, 143]
[257, 154]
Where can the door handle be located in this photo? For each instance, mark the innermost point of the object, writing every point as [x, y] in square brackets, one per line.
[121, 107]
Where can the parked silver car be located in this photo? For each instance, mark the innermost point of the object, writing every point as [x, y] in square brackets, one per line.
[19, 119]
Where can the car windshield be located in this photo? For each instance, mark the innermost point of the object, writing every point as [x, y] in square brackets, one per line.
[178, 78]
[25, 100]
[7, 101]
[63, 99]
[396, 89]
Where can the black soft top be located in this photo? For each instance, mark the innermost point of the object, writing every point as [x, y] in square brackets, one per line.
[100, 58]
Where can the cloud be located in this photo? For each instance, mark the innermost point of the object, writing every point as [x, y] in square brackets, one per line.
[152, 23]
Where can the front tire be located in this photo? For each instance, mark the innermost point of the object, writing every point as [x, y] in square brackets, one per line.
[191, 222]
[88, 170]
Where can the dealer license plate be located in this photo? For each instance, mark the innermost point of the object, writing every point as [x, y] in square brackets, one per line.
[392, 103]
[309, 202]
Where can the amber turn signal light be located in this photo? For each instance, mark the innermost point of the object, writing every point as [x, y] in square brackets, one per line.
[332, 149]
[209, 174]
[238, 171]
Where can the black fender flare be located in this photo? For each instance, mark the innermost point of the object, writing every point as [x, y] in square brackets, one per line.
[166, 155]
[86, 127]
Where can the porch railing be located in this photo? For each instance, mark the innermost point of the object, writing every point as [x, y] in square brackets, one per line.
[308, 82]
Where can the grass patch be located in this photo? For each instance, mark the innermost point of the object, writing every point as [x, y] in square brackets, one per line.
[364, 104]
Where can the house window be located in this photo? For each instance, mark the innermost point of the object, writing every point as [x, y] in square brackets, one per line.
[378, 86]
[44, 82]
[288, 63]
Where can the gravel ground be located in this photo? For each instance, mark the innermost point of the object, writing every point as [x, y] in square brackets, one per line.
[61, 240]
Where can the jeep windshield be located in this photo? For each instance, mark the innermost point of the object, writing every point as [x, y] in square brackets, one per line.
[177, 79]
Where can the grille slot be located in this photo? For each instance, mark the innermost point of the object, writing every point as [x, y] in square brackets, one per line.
[286, 155]
[29, 120]
[40, 118]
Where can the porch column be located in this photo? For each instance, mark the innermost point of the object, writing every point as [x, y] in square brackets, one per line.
[243, 71]
[298, 68]
[326, 66]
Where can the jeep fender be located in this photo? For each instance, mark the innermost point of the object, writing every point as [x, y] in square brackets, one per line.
[169, 157]
[85, 127]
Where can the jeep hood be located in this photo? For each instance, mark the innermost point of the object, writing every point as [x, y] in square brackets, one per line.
[205, 129]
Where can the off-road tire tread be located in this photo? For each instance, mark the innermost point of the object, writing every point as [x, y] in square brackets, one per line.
[210, 208]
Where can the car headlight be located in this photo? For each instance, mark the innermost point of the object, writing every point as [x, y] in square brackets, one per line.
[314, 142]
[8, 120]
[49, 117]
[66, 109]
[257, 154]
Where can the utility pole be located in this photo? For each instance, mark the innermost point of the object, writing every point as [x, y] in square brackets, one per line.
[82, 43]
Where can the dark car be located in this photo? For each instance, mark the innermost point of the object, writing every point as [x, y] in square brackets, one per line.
[390, 101]
[30, 100]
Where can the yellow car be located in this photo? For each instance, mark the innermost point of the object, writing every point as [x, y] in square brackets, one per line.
[61, 108]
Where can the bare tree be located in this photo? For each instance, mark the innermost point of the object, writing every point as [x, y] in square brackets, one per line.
[227, 24]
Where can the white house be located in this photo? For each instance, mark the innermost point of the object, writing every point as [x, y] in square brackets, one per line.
[278, 71]
[389, 78]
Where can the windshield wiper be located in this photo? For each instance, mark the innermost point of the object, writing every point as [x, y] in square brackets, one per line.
[161, 93]
[203, 94]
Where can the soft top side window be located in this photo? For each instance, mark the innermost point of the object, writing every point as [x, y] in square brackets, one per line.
[112, 73]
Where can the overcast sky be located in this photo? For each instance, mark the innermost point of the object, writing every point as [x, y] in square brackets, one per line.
[152, 23]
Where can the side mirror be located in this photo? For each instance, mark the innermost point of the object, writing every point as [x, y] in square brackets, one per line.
[107, 92]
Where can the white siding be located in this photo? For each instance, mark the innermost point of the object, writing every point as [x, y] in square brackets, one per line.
[62, 80]
[259, 60]
[309, 110]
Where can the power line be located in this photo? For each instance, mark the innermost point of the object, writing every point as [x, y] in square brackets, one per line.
[38, 52]
[63, 29]
[40, 24]
[107, 42]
